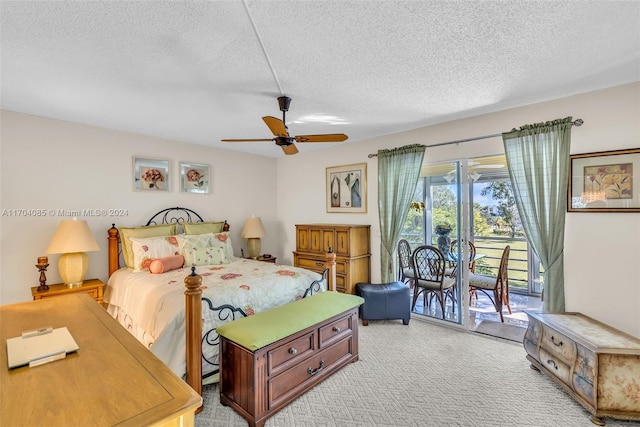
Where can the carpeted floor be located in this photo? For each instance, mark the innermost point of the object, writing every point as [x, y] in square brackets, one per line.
[424, 375]
[501, 330]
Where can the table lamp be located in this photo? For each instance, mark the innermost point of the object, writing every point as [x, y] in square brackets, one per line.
[72, 239]
[253, 231]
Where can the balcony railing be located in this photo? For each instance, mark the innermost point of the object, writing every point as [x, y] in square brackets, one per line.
[521, 260]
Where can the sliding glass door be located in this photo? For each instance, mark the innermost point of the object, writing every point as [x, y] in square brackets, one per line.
[436, 219]
[473, 200]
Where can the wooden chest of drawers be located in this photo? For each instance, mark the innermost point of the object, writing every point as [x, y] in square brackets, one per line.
[257, 383]
[350, 243]
[595, 363]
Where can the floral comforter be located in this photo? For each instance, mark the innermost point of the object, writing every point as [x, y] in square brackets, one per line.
[151, 306]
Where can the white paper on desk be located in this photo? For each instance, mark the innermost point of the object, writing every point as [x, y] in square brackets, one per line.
[22, 350]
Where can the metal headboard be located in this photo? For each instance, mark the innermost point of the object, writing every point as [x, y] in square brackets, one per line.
[175, 215]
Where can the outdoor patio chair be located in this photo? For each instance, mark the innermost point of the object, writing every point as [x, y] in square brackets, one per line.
[499, 286]
[429, 266]
[405, 266]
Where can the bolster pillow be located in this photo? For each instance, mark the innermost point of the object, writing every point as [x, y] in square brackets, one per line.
[162, 265]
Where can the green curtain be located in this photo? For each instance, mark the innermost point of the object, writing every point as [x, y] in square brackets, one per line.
[398, 173]
[538, 164]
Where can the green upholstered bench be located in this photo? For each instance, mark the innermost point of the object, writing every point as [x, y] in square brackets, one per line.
[267, 327]
[269, 359]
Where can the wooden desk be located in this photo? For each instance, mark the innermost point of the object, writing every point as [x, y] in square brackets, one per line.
[112, 379]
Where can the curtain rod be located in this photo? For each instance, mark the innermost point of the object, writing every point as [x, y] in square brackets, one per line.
[577, 122]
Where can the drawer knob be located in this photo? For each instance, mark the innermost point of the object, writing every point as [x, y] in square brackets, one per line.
[293, 351]
[319, 264]
[552, 363]
[336, 329]
[557, 344]
[312, 371]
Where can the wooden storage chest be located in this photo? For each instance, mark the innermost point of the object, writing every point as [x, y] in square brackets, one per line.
[259, 377]
[598, 366]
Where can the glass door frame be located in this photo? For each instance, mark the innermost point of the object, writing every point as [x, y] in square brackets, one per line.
[464, 218]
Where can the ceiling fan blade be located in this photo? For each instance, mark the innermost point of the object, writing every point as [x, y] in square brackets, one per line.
[289, 149]
[277, 126]
[246, 140]
[326, 137]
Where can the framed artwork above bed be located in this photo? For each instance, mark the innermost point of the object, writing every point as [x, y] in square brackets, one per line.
[194, 178]
[150, 174]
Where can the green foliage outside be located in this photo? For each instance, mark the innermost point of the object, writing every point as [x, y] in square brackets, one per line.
[492, 232]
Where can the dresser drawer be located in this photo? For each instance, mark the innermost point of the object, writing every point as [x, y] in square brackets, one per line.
[559, 345]
[311, 264]
[308, 372]
[335, 331]
[555, 366]
[317, 264]
[281, 358]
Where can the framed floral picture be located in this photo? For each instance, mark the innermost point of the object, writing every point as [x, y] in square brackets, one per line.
[347, 188]
[194, 178]
[150, 174]
[606, 181]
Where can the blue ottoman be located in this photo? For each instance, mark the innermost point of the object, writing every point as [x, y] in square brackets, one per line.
[384, 301]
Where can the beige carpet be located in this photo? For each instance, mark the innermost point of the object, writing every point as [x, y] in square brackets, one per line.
[501, 330]
[424, 375]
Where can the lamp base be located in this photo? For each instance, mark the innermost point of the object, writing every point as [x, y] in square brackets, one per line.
[253, 244]
[73, 268]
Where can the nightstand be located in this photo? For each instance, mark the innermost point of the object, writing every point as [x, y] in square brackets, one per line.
[263, 259]
[93, 287]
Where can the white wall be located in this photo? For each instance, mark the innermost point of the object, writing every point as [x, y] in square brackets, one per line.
[60, 165]
[602, 250]
[50, 164]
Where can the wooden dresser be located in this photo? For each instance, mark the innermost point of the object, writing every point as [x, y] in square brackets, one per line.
[111, 380]
[599, 366]
[350, 243]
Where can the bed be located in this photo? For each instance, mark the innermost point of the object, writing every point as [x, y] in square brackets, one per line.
[175, 312]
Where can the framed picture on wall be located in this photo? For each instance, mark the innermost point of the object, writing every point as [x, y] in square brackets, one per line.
[605, 181]
[150, 174]
[347, 188]
[194, 178]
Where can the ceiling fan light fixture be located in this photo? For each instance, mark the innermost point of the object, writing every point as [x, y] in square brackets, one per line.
[283, 141]
[450, 177]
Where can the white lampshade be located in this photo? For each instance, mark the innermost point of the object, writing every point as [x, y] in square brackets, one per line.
[253, 230]
[72, 239]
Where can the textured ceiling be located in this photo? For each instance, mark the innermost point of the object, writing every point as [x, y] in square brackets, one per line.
[196, 71]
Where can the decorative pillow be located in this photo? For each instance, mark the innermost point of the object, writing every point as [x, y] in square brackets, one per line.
[147, 249]
[223, 240]
[147, 231]
[165, 264]
[203, 227]
[197, 243]
[206, 255]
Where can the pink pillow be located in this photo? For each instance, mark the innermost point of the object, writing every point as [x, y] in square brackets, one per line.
[162, 265]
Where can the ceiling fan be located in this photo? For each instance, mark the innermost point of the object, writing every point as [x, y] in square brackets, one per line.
[282, 137]
[473, 174]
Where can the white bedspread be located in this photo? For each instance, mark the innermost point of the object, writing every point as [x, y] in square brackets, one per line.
[151, 306]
